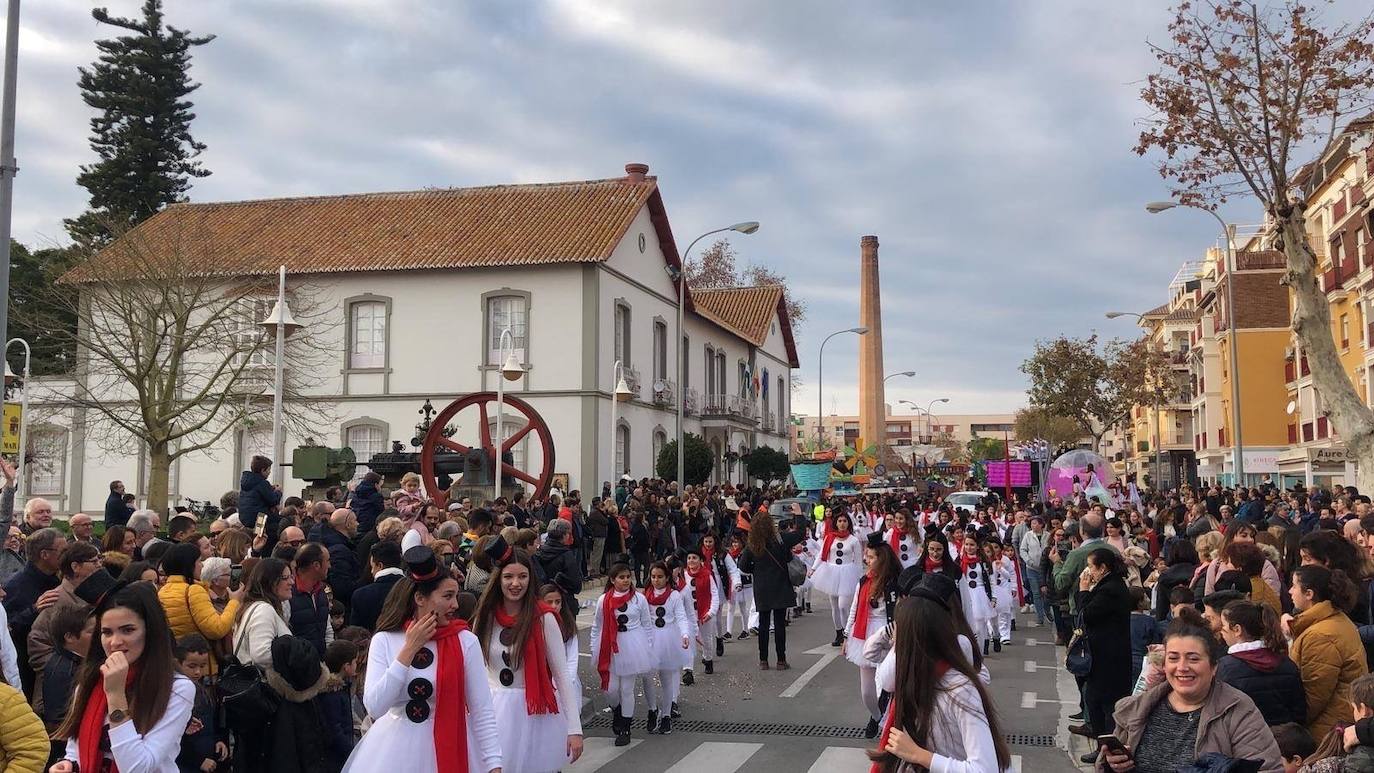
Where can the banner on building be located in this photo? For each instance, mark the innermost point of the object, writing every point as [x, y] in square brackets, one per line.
[9, 441]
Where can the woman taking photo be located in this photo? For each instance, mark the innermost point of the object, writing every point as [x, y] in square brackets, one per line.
[837, 569]
[765, 557]
[1190, 713]
[1326, 645]
[941, 716]
[426, 684]
[130, 706]
[187, 603]
[522, 642]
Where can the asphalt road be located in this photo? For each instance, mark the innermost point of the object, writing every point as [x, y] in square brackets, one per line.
[811, 718]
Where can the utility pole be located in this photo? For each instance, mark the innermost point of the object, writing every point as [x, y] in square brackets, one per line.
[8, 166]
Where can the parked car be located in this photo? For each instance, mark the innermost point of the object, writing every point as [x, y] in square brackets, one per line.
[967, 501]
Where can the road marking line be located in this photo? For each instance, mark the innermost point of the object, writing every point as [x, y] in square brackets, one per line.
[1032, 667]
[1032, 642]
[1015, 764]
[717, 757]
[1030, 699]
[827, 654]
[597, 752]
[839, 758]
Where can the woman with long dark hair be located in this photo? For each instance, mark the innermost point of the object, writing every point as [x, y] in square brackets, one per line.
[187, 602]
[904, 537]
[1105, 605]
[874, 604]
[539, 727]
[621, 646]
[975, 588]
[1257, 662]
[426, 684]
[130, 706]
[940, 711]
[671, 634]
[1326, 645]
[551, 593]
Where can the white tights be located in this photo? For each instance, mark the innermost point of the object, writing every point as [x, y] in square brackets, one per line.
[839, 611]
[868, 688]
[621, 692]
[662, 696]
[743, 605]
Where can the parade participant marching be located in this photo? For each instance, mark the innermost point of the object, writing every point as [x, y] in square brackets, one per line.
[726, 574]
[836, 570]
[742, 601]
[904, 537]
[672, 637]
[552, 594]
[872, 609]
[426, 686]
[1003, 591]
[539, 726]
[975, 589]
[701, 595]
[621, 646]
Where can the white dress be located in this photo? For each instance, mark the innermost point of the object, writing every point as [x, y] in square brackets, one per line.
[538, 743]
[908, 548]
[877, 619]
[703, 632]
[398, 740]
[837, 574]
[670, 625]
[634, 625]
[1004, 585]
[973, 592]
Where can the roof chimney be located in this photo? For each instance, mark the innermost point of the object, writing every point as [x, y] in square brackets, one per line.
[634, 173]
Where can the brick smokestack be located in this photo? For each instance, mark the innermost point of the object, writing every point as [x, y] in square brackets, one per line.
[872, 405]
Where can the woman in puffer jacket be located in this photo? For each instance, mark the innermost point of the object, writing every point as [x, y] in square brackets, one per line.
[187, 602]
[1257, 662]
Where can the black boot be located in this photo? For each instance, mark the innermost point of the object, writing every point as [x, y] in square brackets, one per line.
[720, 648]
[653, 721]
[839, 638]
[986, 644]
[620, 724]
[808, 608]
[997, 645]
[871, 730]
[665, 726]
[687, 678]
[673, 712]
[710, 667]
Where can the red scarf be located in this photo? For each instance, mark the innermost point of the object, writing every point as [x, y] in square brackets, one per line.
[658, 598]
[450, 698]
[894, 539]
[941, 669]
[539, 693]
[830, 537]
[861, 607]
[966, 560]
[931, 565]
[734, 552]
[92, 728]
[609, 633]
[702, 582]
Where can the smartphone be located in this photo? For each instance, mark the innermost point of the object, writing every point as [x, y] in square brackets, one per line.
[1113, 744]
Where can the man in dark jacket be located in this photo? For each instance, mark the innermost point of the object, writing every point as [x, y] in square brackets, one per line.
[556, 555]
[336, 534]
[386, 570]
[367, 502]
[308, 609]
[31, 590]
[116, 512]
[256, 494]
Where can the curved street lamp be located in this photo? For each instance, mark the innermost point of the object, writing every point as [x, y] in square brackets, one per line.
[820, 374]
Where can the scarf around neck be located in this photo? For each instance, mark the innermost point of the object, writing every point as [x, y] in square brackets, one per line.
[540, 697]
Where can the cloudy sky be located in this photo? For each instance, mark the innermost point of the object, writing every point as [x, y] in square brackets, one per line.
[987, 144]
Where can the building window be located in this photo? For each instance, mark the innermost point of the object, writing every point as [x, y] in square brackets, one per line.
[47, 470]
[720, 372]
[660, 440]
[367, 335]
[710, 371]
[507, 311]
[622, 333]
[512, 424]
[686, 360]
[1345, 331]
[252, 441]
[660, 349]
[365, 438]
[782, 403]
[251, 341]
[622, 448]
[742, 373]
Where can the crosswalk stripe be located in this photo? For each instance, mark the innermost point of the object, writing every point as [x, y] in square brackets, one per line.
[840, 758]
[597, 752]
[1015, 764]
[717, 757]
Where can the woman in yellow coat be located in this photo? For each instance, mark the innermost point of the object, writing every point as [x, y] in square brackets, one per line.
[24, 743]
[187, 602]
[1326, 646]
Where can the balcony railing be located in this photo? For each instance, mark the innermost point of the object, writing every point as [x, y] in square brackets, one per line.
[691, 402]
[665, 392]
[715, 405]
[741, 406]
[769, 422]
[632, 379]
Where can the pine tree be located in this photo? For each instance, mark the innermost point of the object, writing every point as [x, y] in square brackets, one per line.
[142, 132]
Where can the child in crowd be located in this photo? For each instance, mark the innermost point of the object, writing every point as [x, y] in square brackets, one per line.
[336, 702]
[1295, 745]
[73, 628]
[202, 749]
[336, 616]
[1145, 630]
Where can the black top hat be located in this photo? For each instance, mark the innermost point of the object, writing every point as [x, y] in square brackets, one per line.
[93, 588]
[937, 587]
[875, 540]
[499, 551]
[421, 564]
[567, 584]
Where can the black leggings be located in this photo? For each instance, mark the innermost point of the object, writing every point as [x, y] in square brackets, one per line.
[779, 632]
[641, 567]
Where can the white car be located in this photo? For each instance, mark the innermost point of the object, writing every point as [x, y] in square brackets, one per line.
[968, 501]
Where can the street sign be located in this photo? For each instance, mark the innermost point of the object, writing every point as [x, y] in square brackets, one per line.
[9, 440]
[880, 470]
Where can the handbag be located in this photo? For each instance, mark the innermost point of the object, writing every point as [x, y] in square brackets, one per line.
[249, 703]
[1078, 659]
[796, 569]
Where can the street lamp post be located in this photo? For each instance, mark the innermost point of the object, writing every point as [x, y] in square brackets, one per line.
[907, 373]
[820, 373]
[622, 393]
[1228, 236]
[511, 370]
[283, 324]
[679, 275]
[1159, 477]
[23, 412]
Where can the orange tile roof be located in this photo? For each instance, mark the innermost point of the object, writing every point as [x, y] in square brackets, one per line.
[748, 312]
[505, 225]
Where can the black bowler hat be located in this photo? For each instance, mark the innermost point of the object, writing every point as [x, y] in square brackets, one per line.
[499, 551]
[875, 540]
[567, 584]
[421, 564]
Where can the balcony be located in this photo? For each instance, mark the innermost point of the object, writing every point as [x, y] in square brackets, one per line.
[742, 407]
[769, 422]
[715, 405]
[691, 402]
[665, 392]
[632, 379]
